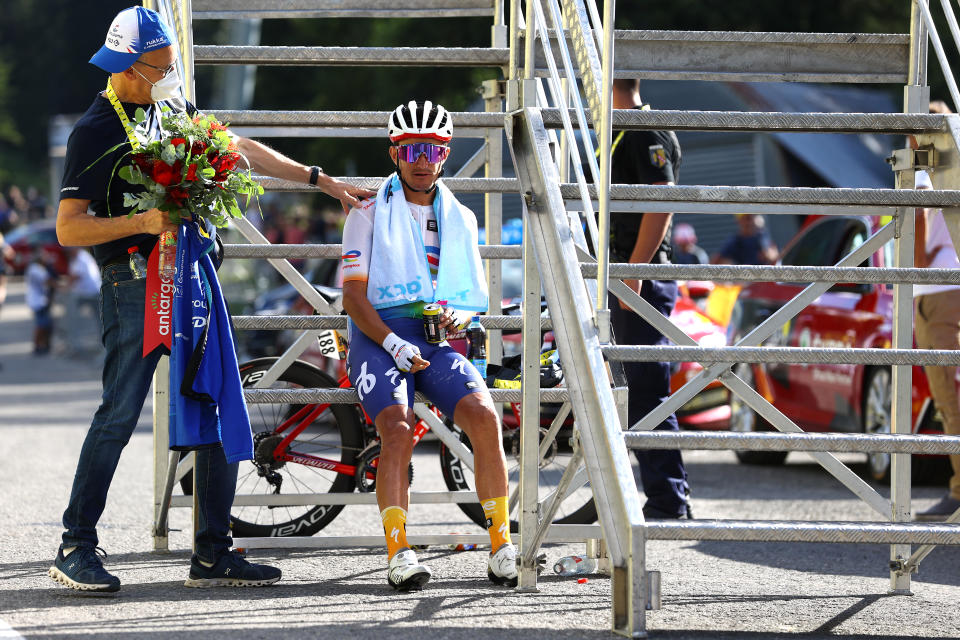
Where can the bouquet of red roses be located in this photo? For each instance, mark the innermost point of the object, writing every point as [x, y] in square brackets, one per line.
[193, 168]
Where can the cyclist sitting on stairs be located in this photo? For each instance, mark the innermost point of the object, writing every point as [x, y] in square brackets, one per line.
[412, 245]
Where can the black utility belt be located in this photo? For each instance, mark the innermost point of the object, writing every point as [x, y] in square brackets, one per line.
[115, 260]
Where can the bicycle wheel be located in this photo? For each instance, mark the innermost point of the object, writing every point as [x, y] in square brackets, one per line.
[577, 508]
[336, 434]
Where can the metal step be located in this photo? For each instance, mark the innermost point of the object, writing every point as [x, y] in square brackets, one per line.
[353, 56]
[891, 123]
[267, 9]
[670, 55]
[339, 124]
[681, 194]
[476, 124]
[756, 56]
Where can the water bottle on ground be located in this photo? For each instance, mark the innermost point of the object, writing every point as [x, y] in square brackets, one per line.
[168, 255]
[138, 264]
[575, 565]
[477, 345]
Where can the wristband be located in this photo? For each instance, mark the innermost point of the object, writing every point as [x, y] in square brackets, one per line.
[314, 175]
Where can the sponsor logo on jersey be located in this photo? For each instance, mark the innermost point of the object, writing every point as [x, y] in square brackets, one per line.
[351, 256]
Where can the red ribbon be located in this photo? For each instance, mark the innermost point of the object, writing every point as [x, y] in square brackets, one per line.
[158, 307]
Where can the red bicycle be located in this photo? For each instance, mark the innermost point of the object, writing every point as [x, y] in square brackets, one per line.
[334, 448]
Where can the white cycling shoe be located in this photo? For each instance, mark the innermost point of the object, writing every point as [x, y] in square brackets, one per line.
[406, 573]
[502, 565]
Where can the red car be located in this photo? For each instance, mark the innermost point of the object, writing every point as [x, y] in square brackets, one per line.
[709, 409]
[829, 397]
[41, 234]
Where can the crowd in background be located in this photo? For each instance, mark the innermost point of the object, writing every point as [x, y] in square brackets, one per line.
[19, 207]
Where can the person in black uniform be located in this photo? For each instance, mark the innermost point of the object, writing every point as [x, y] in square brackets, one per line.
[647, 157]
[140, 57]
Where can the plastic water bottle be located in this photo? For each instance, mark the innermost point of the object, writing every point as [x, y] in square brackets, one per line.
[168, 255]
[574, 565]
[138, 265]
[477, 349]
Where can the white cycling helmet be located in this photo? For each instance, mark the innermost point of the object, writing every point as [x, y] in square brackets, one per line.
[416, 120]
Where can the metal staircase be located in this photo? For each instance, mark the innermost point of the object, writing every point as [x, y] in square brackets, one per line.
[542, 110]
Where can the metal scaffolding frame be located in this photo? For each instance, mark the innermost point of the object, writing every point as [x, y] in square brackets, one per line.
[556, 257]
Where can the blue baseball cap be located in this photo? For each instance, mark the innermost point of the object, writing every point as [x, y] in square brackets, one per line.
[134, 31]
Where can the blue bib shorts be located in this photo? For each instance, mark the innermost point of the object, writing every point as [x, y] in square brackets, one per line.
[380, 384]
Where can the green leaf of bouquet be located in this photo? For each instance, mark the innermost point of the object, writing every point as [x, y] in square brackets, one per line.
[105, 154]
[169, 154]
[139, 115]
[208, 172]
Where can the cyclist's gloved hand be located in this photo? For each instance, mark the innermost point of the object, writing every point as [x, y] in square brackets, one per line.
[402, 352]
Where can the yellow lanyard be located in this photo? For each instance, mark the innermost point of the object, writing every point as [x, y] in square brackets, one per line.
[124, 120]
[613, 147]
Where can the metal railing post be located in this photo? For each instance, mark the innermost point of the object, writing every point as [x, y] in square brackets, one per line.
[603, 188]
[901, 408]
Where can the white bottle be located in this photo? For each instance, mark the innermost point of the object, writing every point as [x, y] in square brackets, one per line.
[574, 565]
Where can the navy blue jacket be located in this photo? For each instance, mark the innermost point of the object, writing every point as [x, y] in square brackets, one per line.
[206, 396]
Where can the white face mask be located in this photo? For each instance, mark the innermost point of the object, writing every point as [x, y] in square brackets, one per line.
[167, 88]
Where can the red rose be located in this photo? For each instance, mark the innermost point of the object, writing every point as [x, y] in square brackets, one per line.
[197, 148]
[178, 195]
[144, 162]
[191, 173]
[162, 173]
[178, 141]
[226, 162]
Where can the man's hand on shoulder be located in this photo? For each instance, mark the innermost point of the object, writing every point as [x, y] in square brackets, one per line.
[348, 195]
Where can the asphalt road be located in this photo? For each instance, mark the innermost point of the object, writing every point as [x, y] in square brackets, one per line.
[709, 589]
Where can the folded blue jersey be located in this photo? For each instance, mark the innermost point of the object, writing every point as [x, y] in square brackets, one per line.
[206, 396]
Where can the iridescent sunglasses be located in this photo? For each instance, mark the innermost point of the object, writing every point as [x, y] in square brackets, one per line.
[411, 152]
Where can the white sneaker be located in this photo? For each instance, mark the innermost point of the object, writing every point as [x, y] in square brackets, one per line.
[406, 572]
[502, 565]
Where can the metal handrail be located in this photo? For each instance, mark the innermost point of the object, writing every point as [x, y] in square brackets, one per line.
[887, 357]
[938, 47]
[840, 443]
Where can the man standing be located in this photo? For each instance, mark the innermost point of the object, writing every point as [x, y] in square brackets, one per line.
[685, 248]
[937, 326]
[140, 57]
[751, 244]
[647, 157]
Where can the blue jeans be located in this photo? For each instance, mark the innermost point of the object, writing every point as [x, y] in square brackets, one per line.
[126, 381]
[661, 471]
